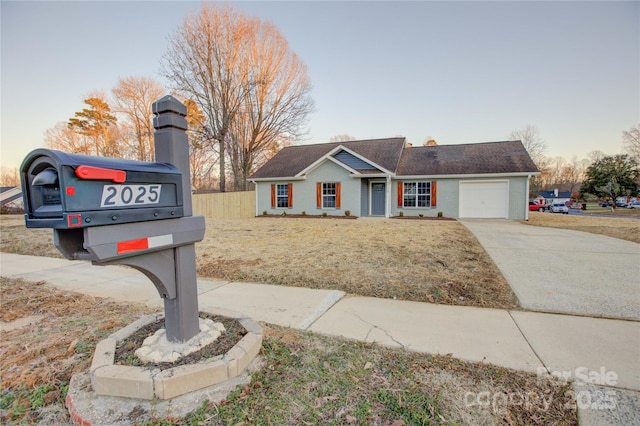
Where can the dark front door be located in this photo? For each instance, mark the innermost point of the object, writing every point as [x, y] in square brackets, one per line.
[377, 199]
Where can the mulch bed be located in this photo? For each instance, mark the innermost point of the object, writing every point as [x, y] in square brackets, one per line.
[125, 351]
[307, 216]
[423, 218]
[312, 216]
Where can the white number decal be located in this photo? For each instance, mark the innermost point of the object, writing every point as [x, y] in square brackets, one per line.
[130, 195]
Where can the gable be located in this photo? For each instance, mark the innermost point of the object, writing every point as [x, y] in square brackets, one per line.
[296, 160]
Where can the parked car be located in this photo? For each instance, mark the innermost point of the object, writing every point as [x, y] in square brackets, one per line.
[537, 207]
[559, 208]
[621, 204]
[634, 205]
[606, 203]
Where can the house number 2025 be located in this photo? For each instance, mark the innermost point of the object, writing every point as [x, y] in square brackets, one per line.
[129, 195]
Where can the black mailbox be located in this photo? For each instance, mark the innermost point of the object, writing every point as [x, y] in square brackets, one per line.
[65, 191]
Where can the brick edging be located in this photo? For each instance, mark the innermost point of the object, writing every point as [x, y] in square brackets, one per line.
[76, 419]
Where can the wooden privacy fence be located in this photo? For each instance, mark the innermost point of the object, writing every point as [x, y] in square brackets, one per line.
[225, 205]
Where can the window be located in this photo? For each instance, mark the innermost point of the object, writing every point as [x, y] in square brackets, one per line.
[282, 195]
[328, 195]
[416, 194]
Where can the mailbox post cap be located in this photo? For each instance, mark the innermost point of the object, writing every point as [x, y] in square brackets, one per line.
[169, 104]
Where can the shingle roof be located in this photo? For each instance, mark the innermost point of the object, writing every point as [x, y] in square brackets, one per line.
[476, 158]
[293, 159]
[551, 194]
[392, 155]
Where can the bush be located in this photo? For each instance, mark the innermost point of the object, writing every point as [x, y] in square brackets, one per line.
[401, 214]
[324, 214]
[347, 212]
[284, 213]
[264, 213]
[304, 213]
[439, 214]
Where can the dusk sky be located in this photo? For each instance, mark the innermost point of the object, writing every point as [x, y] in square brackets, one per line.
[459, 72]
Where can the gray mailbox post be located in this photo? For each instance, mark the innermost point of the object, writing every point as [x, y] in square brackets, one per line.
[113, 211]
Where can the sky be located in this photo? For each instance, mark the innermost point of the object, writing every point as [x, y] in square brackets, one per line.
[457, 72]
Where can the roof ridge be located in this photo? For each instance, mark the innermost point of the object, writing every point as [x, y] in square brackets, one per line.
[343, 142]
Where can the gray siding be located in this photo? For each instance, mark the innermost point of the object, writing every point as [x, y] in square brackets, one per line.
[448, 198]
[364, 197]
[304, 192]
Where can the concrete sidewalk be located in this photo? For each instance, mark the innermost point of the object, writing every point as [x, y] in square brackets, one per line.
[527, 341]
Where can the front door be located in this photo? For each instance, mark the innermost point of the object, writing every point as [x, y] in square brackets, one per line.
[377, 198]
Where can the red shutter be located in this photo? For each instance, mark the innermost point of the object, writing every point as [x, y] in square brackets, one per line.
[400, 194]
[337, 195]
[319, 195]
[290, 195]
[434, 186]
[273, 196]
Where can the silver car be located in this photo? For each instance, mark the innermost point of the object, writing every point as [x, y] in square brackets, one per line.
[559, 208]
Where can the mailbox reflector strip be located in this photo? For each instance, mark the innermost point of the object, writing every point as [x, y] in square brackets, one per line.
[144, 243]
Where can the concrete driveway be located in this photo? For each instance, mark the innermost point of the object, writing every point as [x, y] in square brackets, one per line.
[559, 270]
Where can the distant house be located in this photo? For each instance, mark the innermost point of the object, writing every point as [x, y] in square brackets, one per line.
[388, 177]
[555, 196]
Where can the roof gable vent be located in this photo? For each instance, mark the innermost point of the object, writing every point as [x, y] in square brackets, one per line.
[353, 161]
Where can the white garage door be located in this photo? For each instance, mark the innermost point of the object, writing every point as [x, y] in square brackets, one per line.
[484, 199]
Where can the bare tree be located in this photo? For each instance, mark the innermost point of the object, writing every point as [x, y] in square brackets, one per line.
[631, 141]
[65, 138]
[344, 137]
[9, 176]
[239, 71]
[536, 148]
[133, 99]
[275, 105]
[202, 154]
[204, 63]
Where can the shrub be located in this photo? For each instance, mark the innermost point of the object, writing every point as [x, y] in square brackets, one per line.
[324, 214]
[284, 213]
[347, 212]
[264, 213]
[401, 214]
[304, 213]
[439, 214]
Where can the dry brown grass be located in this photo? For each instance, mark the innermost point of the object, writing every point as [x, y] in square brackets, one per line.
[622, 228]
[337, 380]
[432, 261]
[48, 335]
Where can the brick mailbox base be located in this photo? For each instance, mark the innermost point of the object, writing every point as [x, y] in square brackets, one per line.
[154, 385]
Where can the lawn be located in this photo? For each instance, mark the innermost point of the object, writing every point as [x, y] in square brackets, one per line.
[305, 378]
[622, 228]
[418, 260]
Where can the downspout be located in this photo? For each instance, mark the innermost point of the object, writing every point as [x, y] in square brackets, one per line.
[256, 197]
[526, 210]
[387, 196]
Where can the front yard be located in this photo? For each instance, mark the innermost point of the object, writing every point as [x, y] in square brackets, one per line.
[621, 228]
[426, 261]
